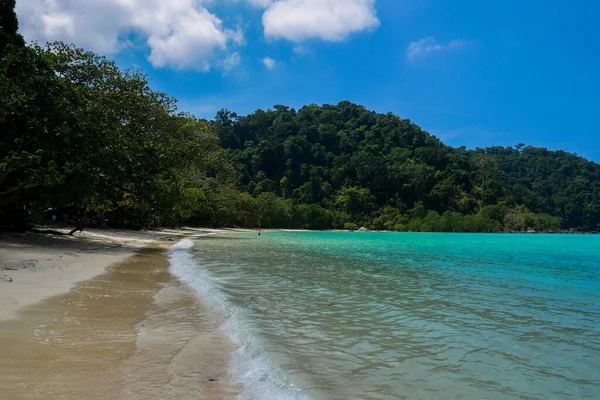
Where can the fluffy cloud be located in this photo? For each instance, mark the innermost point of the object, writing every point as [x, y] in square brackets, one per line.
[178, 33]
[423, 47]
[332, 20]
[268, 62]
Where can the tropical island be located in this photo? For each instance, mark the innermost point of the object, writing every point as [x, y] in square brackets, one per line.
[146, 253]
[93, 144]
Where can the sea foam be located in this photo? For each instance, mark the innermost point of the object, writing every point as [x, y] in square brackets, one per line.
[250, 365]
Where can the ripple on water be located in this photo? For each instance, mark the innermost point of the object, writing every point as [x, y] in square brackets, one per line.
[375, 316]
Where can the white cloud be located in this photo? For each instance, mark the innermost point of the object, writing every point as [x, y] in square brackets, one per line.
[423, 47]
[231, 62]
[237, 36]
[332, 20]
[302, 49]
[268, 62]
[178, 33]
[261, 3]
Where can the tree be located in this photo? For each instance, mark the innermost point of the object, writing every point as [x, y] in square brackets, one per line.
[320, 150]
[355, 201]
[9, 26]
[91, 136]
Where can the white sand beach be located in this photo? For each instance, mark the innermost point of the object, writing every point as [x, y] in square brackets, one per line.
[99, 316]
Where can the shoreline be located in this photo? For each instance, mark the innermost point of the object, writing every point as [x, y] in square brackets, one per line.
[100, 315]
[34, 267]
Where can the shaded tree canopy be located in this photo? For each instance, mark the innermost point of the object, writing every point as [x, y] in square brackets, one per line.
[9, 26]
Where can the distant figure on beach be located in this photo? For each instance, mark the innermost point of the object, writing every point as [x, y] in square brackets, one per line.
[259, 232]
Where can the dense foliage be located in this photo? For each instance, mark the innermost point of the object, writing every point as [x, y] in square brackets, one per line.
[82, 136]
[85, 139]
[354, 167]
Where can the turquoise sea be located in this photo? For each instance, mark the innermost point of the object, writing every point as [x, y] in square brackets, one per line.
[403, 315]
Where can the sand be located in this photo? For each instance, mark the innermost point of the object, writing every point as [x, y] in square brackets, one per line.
[99, 316]
[34, 267]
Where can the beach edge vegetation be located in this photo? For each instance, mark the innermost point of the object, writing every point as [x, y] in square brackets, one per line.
[93, 144]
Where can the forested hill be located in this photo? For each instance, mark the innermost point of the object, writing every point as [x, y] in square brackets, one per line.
[387, 173]
[88, 143]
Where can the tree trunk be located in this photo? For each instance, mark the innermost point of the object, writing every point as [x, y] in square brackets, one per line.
[79, 227]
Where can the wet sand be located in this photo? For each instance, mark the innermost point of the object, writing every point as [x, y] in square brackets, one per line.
[133, 332]
[34, 267]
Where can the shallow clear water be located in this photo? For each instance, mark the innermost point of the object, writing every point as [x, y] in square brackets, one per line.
[415, 316]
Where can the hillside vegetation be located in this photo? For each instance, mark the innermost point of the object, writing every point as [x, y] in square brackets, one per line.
[343, 165]
[95, 144]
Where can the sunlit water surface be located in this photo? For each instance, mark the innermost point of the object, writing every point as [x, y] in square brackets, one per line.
[415, 316]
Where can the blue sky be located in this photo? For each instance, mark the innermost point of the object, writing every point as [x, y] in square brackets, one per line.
[474, 73]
